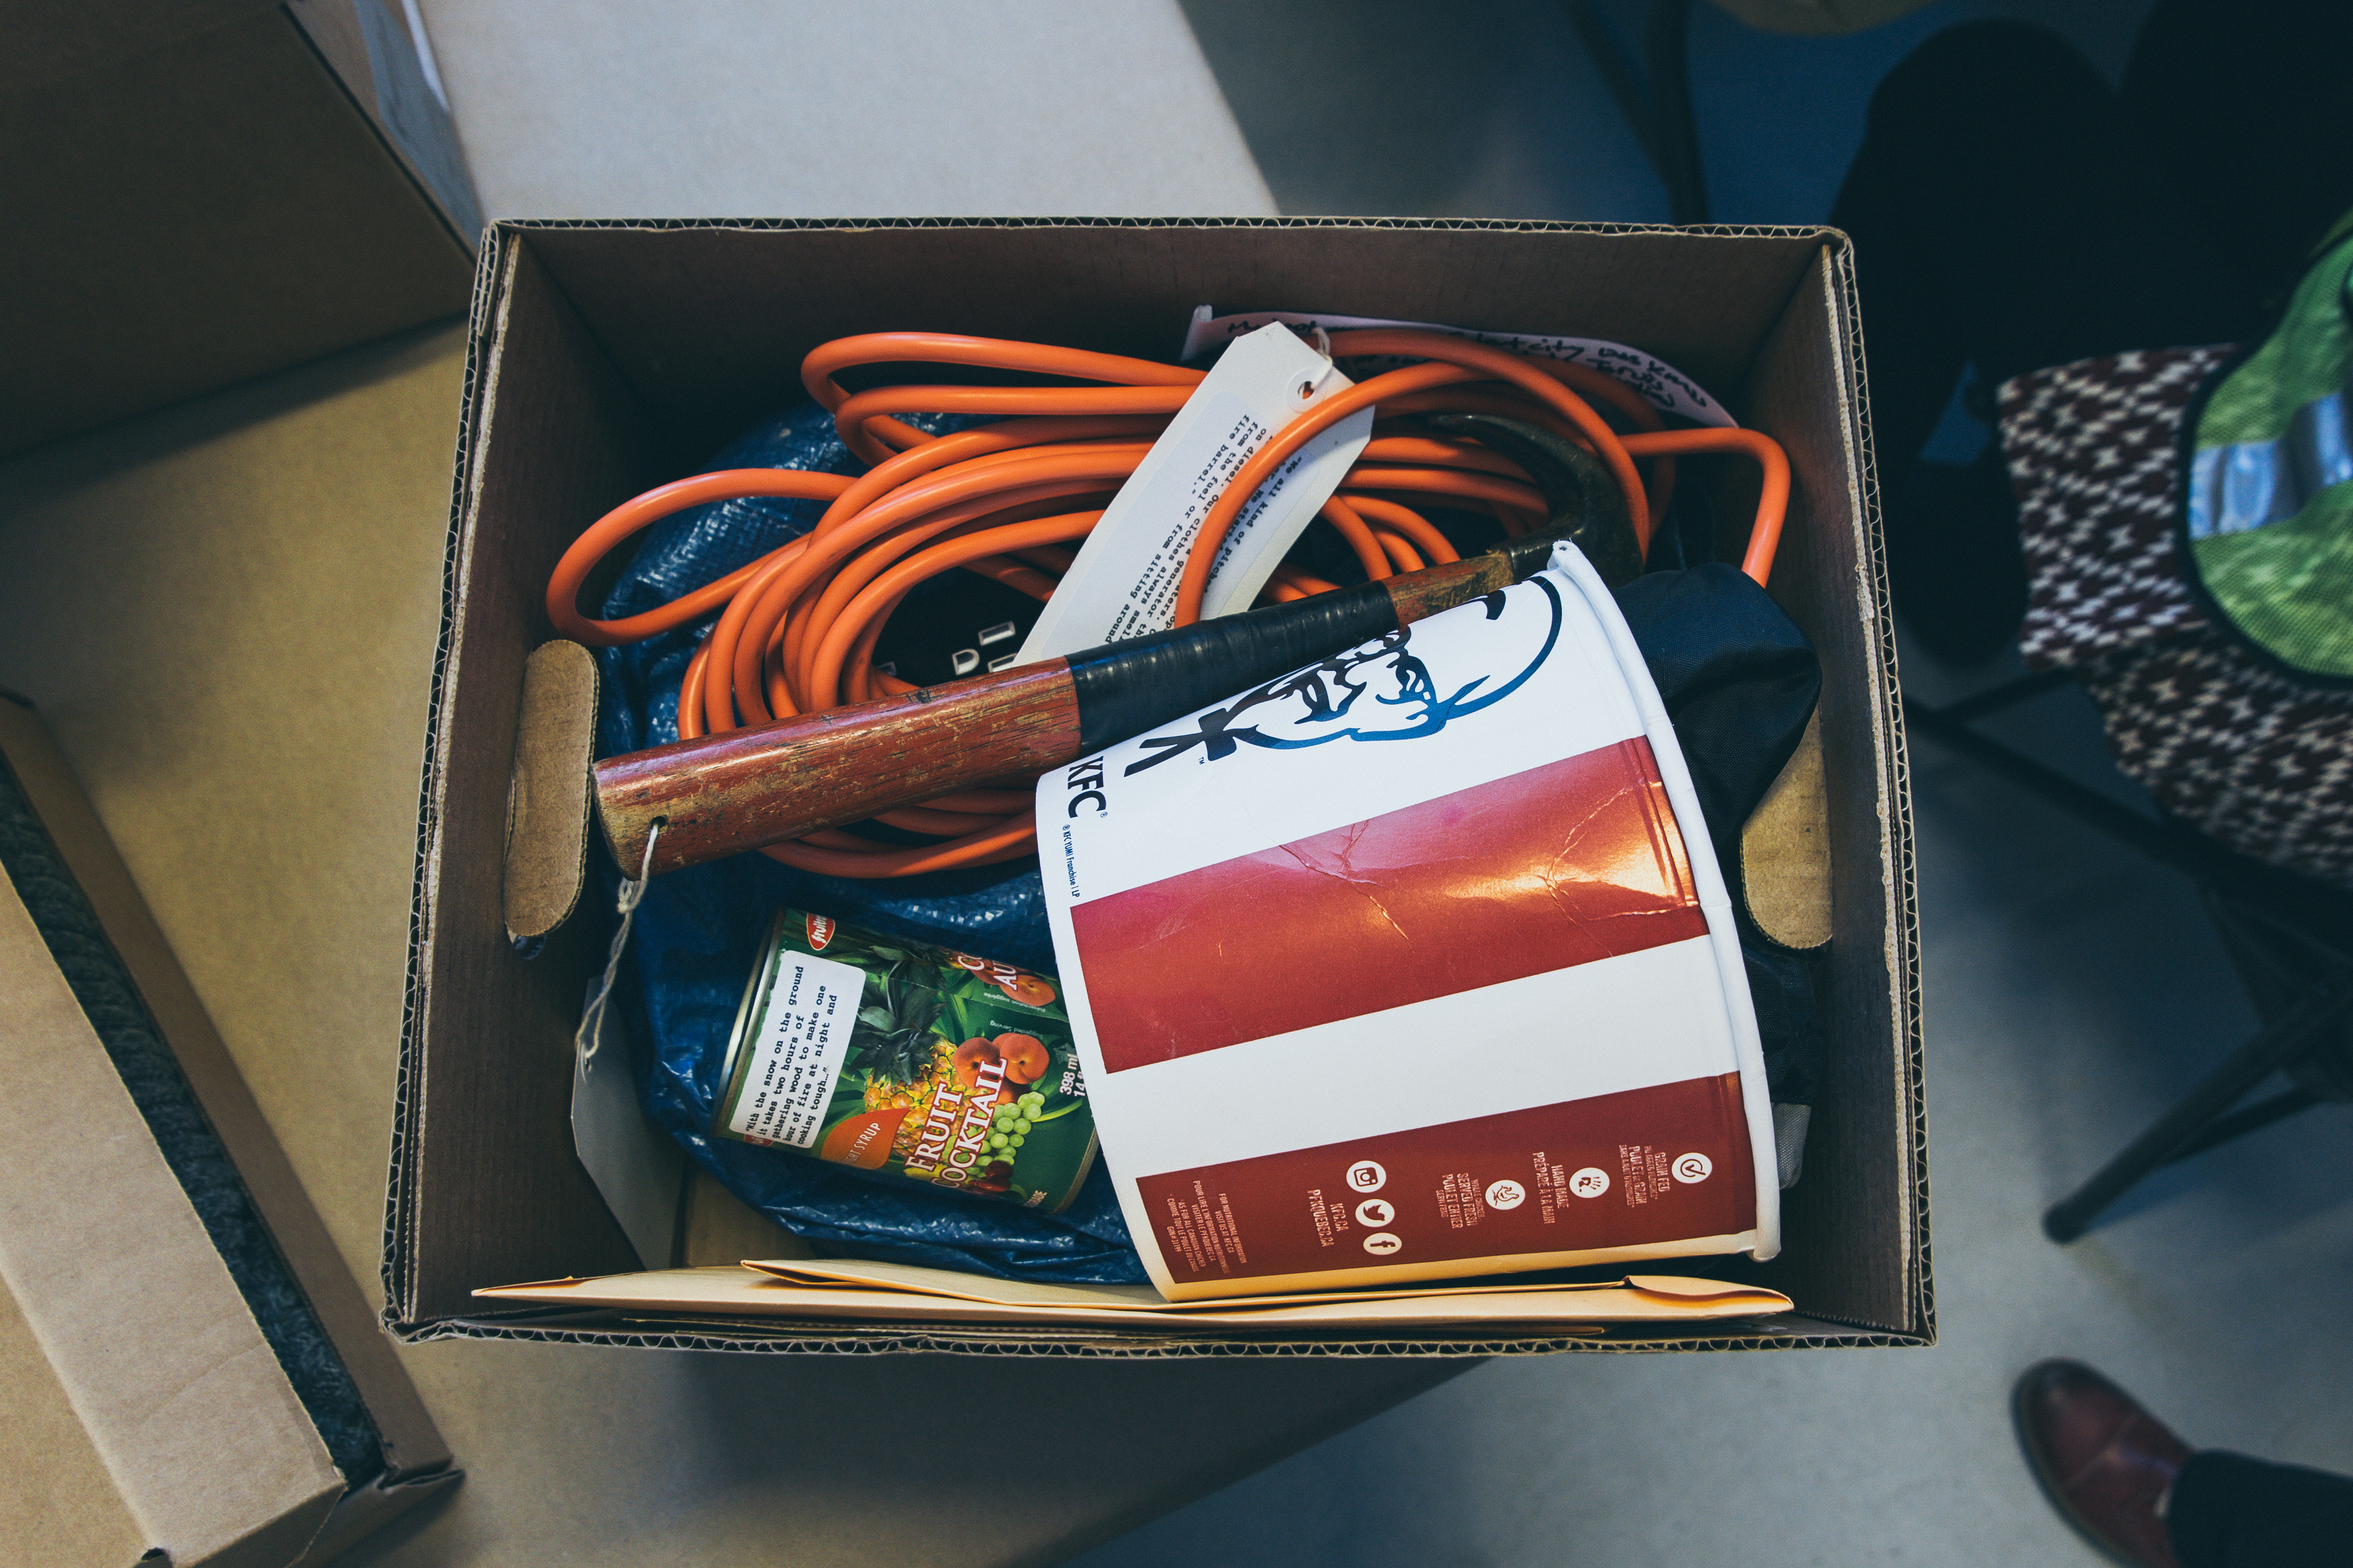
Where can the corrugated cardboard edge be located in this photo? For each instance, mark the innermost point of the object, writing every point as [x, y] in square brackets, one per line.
[1868, 1133]
[411, 1442]
[795, 1336]
[200, 1434]
[1895, 764]
[485, 317]
[547, 797]
[498, 260]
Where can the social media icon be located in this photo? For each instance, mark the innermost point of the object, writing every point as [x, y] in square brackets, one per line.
[1590, 1183]
[1367, 1176]
[1380, 1244]
[1374, 1213]
[1692, 1167]
[1505, 1194]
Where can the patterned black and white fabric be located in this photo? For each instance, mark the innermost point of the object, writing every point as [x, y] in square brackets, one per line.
[2257, 760]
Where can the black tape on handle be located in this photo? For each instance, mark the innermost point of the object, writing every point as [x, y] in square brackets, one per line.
[1126, 688]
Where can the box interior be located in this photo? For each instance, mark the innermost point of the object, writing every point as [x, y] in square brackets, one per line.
[610, 357]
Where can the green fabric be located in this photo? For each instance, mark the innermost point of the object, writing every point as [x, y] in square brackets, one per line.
[2305, 359]
[2284, 584]
[2288, 585]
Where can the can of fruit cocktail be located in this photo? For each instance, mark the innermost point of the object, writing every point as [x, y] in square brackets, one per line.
[916, 1063]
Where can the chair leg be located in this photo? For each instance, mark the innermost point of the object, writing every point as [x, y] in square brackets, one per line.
[2278, 897]
[2174, 1133]
[1681, 167]
[2239, 1123]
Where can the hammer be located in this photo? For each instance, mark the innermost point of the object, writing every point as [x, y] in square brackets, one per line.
[722, 794]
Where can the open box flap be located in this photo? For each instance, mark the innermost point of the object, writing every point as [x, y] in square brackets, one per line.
[546, 861]
[857, 1272]
[887, 1292]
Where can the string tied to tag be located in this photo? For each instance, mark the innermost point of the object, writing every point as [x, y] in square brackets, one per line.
[592, 1017]
[1306, 390]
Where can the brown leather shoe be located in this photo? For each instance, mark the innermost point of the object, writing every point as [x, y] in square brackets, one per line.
[2101, 1459]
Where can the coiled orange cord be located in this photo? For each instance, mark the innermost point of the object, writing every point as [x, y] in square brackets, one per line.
[797, 628]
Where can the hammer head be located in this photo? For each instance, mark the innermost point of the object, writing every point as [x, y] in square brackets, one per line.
[1583, 499]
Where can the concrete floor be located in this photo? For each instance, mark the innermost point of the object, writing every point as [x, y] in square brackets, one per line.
[1493, 108]
[731, 109]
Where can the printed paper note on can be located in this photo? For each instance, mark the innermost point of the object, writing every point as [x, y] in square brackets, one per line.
[1405, 966]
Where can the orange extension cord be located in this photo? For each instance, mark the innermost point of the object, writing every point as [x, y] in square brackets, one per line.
[1011, 501]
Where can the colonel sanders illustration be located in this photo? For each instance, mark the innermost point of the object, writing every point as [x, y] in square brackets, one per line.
[1379, 690]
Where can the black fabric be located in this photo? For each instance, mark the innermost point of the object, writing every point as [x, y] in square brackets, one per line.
[2010, 210]
[193, 1151]
[2230, 1511]
[1126, 688]
[1788, 1014]
[1739, 679]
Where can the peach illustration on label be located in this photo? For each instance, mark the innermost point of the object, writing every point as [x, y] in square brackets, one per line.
[970, 1058]
[1025, 988]
[1026, 1058]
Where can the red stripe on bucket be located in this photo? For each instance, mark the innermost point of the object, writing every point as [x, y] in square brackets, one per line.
[1665, 1163]
[1563, 865]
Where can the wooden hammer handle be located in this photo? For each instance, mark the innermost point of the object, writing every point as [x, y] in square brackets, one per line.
[719, 795]
[722, 794]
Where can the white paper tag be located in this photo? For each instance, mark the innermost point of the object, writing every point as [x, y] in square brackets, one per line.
[1124, 584]
[1666, 388]
[798, 1045]
[636, 1165]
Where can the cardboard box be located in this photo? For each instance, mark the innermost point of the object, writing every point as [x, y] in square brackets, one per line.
[608, 357]
[203, 191]
[150, 1410]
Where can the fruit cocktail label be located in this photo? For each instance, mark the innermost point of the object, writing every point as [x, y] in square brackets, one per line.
[915, 1063]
